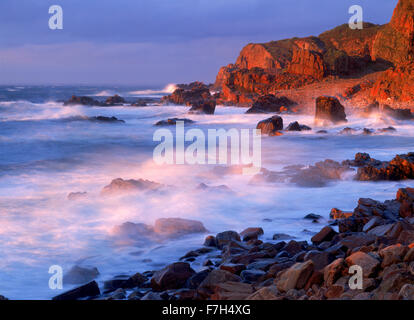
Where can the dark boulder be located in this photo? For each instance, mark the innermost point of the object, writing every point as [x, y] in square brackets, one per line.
[90, 289]
[173, 121]
[119, 185]
[295, 126]
[115, 100]
[329, 109]
[188, 94]
[173, 276]
[83, 100]
[270, 103]
[106, 119]
[271, 126]
[203, 107]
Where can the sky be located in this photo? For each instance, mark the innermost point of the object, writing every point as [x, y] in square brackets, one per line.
[151, 43]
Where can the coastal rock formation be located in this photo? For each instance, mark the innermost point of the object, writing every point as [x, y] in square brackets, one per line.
[269, 103]
[329, 109]
[173, 122]
[115, 100]
[119, 186]
[271, 126]
[394, 42]
[203, 107]
[188, 95]
[84, 101]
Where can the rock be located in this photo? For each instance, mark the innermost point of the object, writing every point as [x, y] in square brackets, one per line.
[295, 277]
[399, 168]
[118, 186]
[368, 264]
[3, 298]
[410, 255]
[333, 271]
[118, 294]
[251, 233]
[329, 109]
[74, 196]
[173, 122]
[398, 114]
[224, 238]
[193, 93]
[320, 259]
[348, 130]
[406, 197]
[210, 241]
[392, 254]
[105, 119]
[295, 126]
[235, 268]
[85, 101]
[90, 289]
[174, 227]
[252, 276]
[232, 291]
[203, 107]
[115, 100]
[282, 236]
[393, 42]
[194, 281]
[266, 293]
[270, 103]
[372, 223]
[326, 234]
[339, 214]
[271, 125]
[215, 278]
[80, 275]
[406, 292]
[388, 129]
[356, 240]
[312, 216]
[307, 58]
[173, 276]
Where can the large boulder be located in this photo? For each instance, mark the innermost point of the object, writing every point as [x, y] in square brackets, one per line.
[173, 276]
[115, 100]
[269, 103]
[188, 94]
[271, 126]
[329, 109]
[295, 277]
[90, 289]
[203, 107]
[368, 264]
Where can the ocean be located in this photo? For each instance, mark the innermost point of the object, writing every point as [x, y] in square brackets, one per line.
[48, 150]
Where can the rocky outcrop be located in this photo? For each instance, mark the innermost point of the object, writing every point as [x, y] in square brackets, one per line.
[203, 107]
[120, 186]
[270, 104]
[271, 126]
[83, 100]
[394, 42]
[173, 122]
[115, 100]
[395, 85]
[193, 93]
[329, 109]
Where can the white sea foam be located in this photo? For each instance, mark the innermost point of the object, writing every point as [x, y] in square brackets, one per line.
[45, 160]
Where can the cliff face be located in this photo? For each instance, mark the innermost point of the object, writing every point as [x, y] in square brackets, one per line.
[291, 63]
[395, 41]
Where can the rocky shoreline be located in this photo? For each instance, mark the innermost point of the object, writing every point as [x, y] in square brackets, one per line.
[377, 236]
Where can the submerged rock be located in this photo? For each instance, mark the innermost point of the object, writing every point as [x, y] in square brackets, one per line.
[173, 227]
[105, 119]
[83, 100]
[115, 100]
[295, 126]
[119, 186]
[79, 275]
[74, 196]
[173, 121]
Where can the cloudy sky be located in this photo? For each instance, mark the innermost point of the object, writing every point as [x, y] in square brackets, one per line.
[153, 42]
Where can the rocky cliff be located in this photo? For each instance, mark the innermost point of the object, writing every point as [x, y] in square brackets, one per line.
[291, 63]
[267, 68]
